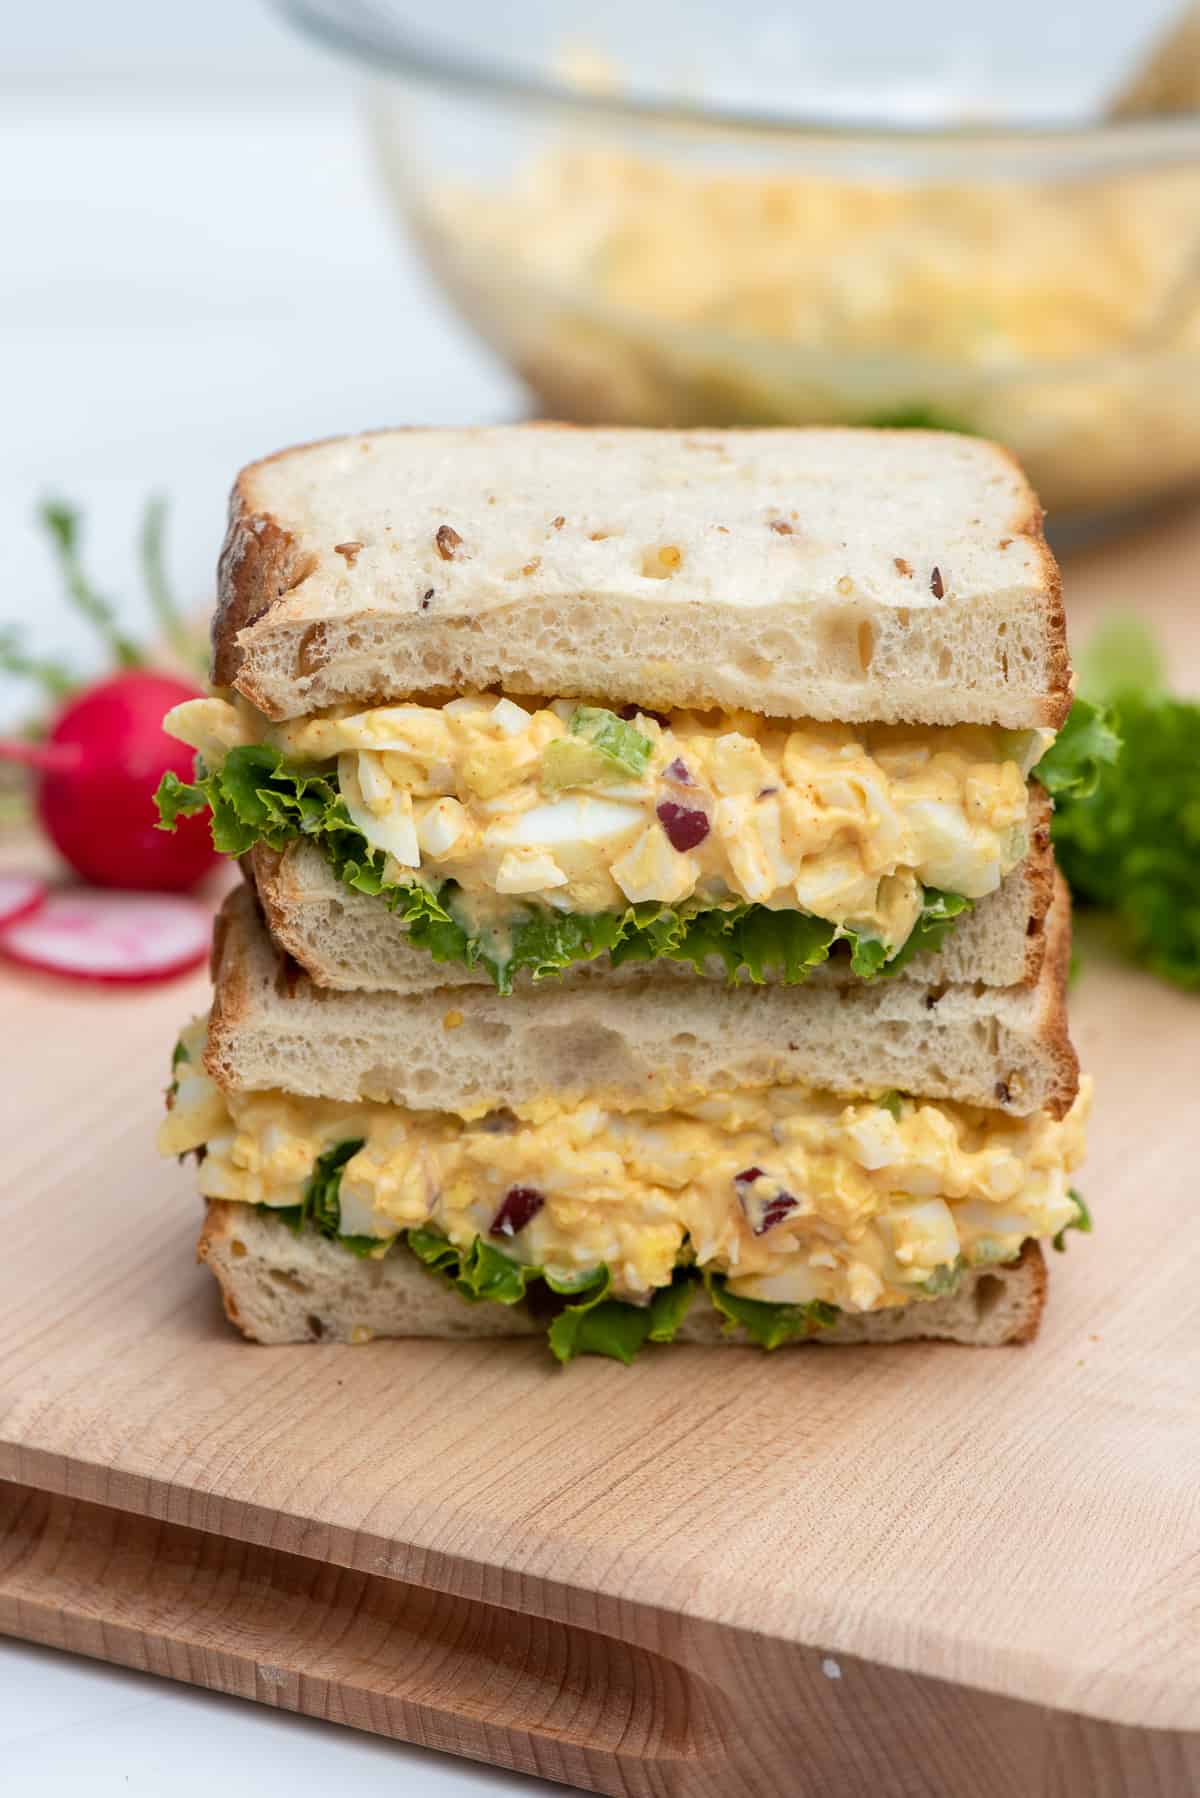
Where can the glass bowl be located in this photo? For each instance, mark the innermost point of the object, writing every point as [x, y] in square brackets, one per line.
[686, 213]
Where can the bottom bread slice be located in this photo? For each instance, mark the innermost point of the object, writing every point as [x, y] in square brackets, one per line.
[280, 1285]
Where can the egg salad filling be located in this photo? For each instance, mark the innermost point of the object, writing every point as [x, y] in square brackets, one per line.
[787, 1196]
[598, 829]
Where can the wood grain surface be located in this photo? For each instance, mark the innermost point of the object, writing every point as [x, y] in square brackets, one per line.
[715, 1572]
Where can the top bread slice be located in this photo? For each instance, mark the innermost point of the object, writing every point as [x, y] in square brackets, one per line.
[851, 575]
[635, 1044]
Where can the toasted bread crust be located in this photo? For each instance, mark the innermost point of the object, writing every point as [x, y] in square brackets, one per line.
[217, 1231]
[230, 976]
[1032, 528]
[1032, 1263]
[1052, 989]
[256, 568]
[1040, 878]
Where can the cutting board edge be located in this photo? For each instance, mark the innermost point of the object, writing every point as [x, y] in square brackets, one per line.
[647, 1624]
[561, 1701]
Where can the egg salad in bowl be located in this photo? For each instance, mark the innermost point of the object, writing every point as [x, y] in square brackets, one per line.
[637, 286]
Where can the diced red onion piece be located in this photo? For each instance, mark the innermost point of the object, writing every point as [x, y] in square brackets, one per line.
[521, 1205]
[775, 1212]
[685, 825]
[771, 1211]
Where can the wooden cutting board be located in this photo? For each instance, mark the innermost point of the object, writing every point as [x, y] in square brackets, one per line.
[922, 1571]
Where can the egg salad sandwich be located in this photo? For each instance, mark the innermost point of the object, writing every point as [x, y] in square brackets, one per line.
[650, 928]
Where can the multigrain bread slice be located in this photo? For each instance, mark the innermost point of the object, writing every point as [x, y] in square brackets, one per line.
[834, 574]
[466, 1048]
[282, 1286]
[350, 940]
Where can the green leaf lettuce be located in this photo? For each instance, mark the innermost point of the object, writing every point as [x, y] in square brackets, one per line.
[585, 1320]
[768, 1326]
[1083, 748]
[1082, 1221]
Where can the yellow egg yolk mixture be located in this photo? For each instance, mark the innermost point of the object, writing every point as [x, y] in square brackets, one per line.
[792, 1194]
[576, 809]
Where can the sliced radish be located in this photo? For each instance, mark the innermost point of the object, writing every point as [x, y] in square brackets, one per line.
[20, 894]
[111, 936]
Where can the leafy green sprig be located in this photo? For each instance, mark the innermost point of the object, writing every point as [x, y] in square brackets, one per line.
[1129, 842]
[55, 679]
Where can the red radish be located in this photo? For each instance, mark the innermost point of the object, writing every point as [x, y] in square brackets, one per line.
[20, 894]
[99, 767]
[110, 936]
[106, 750]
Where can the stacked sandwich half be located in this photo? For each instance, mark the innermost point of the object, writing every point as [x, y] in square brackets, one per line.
[649, 927]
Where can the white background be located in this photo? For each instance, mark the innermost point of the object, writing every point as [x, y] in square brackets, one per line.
[195, 269]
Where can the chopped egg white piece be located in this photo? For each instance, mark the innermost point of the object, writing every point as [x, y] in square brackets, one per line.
[528, 871]
[212, 727]
[391, 830]
[374, 784]
[580, 820]
[651, 869]
[510, 720]
[439, 827]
